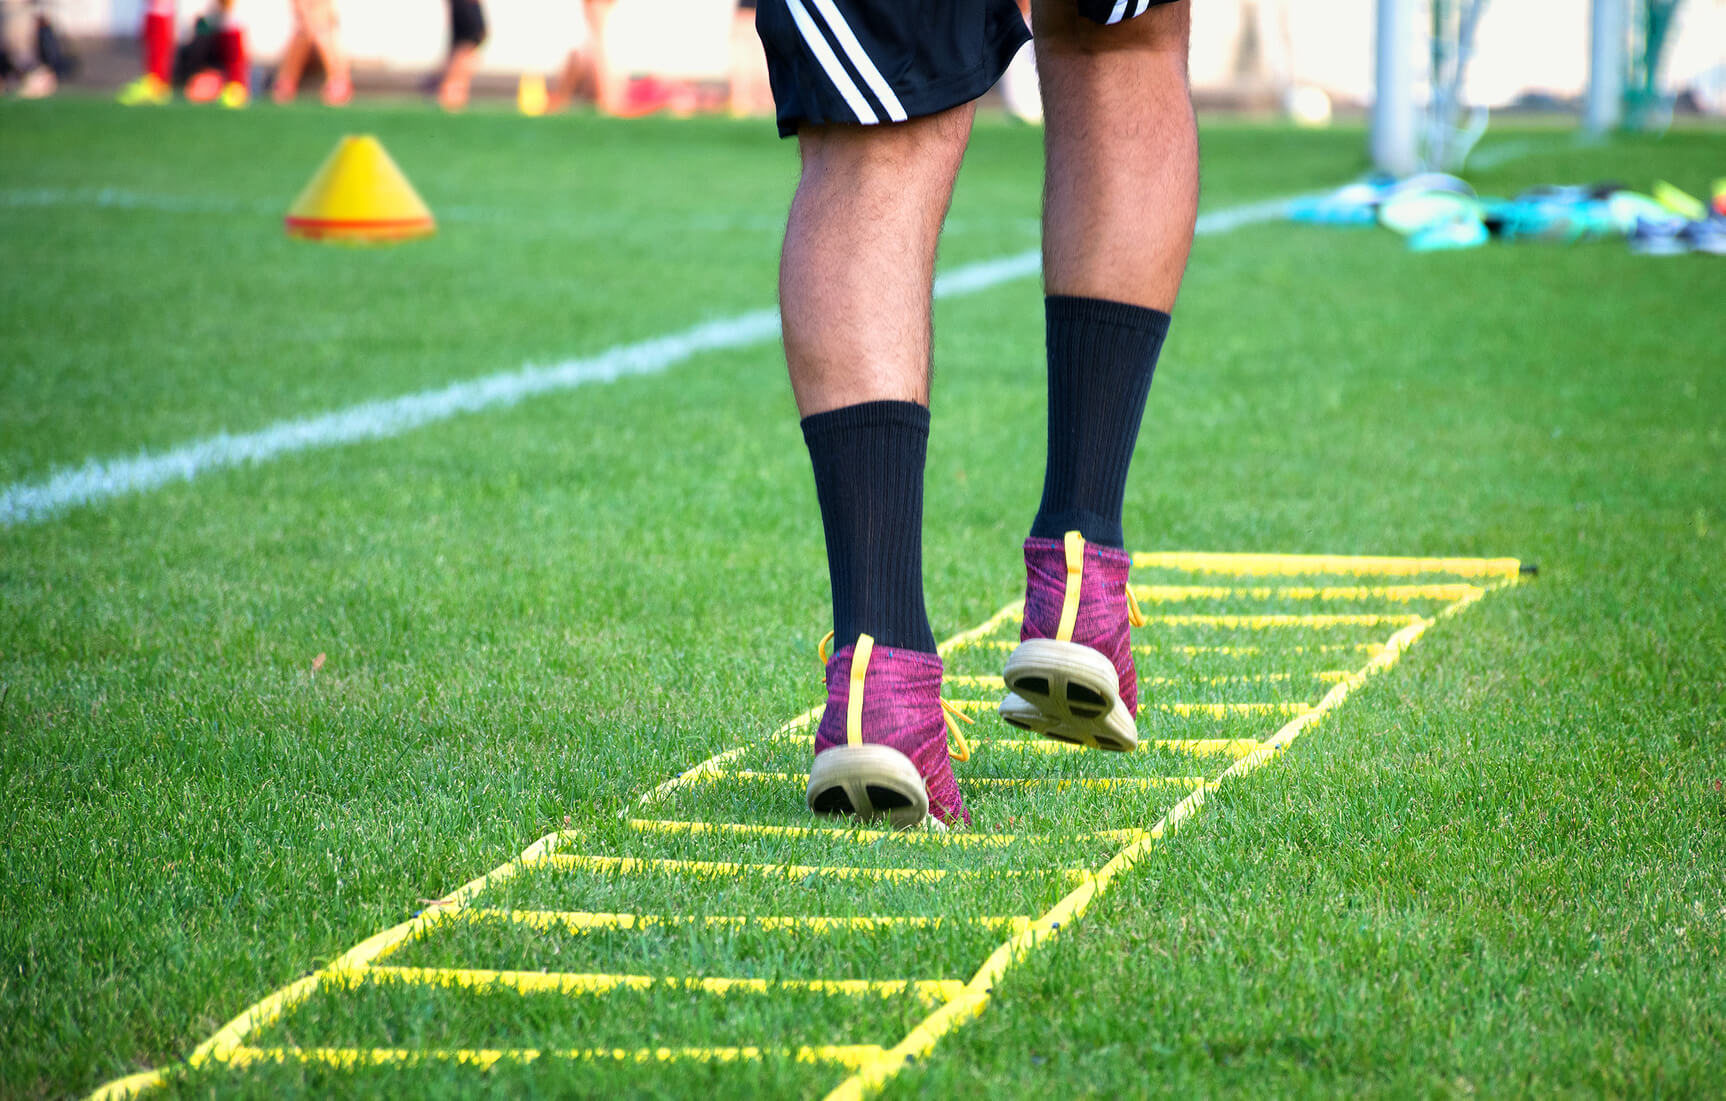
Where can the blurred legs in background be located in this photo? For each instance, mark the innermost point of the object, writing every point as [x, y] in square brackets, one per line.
[315, 25]
[585, 75]
[33, 54]
[156, 36]
[467, 34]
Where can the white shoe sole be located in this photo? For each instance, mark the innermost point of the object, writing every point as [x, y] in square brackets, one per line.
[1067, 692]
[870, 781]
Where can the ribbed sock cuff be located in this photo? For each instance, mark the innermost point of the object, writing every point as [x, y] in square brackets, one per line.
[1102, 356]
[868, 461]
[870, 414]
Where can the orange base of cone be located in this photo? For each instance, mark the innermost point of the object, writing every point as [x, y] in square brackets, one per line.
[359, 232]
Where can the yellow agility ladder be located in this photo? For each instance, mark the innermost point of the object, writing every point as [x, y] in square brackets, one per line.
[721, 905]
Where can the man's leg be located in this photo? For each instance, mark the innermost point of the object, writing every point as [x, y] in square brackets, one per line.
[855, 283]
[878, 94]
[1122, 184]
[1119, 202]
[859, 262]
[1120, 197]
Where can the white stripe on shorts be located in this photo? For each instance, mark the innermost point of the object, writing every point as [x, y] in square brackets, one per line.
[1140, 10]
[1120, 10]
[829, 61]
[854, 50]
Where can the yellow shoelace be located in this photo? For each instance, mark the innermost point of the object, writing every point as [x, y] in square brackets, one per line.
[948, 711]
[1075, 554]
[1135, 615]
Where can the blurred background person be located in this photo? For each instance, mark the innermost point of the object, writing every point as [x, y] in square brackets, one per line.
[156, 36]
[33, 55]
[585, 77]
[588, 74]
[466, 36]
[315, 24]
[750, 94]
[211, 66]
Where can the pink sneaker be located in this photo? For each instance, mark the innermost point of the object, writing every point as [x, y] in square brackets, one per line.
[1071, 678]
[882, 753]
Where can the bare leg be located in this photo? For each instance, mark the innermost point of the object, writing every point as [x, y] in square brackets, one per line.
[292, 65]
[1122, 184]
[859, 263]
[338, 82]
[463, 60]
[574, 82]
[610, 87]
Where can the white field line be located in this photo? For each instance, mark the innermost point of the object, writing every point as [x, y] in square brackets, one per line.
[99, 480]
[120, 198]
[599, 224]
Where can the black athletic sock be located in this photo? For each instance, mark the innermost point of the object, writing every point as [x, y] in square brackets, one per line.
[1101, 358]
[868, 462]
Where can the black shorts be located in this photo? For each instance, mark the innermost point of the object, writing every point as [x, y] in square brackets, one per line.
[1113, 11]
[836, 61]
[466, 23]
[868, 61]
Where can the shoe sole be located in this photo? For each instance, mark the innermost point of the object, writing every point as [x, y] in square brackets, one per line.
[1067, 692]
[871, 782]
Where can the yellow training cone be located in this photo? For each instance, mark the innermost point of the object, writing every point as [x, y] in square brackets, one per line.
[531, 96]
[359, 196]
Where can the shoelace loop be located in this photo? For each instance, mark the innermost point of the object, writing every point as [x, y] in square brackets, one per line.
[949, 713]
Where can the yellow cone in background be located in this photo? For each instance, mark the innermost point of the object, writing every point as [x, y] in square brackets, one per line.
[359, 196]
[531, 96]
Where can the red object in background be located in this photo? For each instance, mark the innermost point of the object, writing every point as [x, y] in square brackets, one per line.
[234, 67]
[204, 87]
[158, 35]
[644, 96]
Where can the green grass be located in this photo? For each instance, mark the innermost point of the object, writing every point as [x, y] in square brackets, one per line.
[1497, 869]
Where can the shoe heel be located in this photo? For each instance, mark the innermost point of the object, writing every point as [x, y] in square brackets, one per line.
[872, 782]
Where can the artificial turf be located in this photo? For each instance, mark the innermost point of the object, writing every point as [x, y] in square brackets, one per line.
[1496, 869]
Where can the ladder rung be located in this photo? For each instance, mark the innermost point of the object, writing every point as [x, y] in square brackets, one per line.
[1007, 646]
[1290, 708]
[871, 837]
[848, 1055]
[1268, 621]
[1200, 747]
[581, 921]
[1059, 783]
[967, 680]
[933, 991]
[1271, 565]
[1097, 783]
[860, 836]
[1401, 594]
[629, 864]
